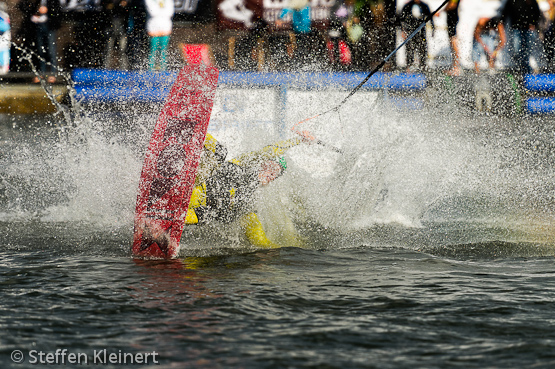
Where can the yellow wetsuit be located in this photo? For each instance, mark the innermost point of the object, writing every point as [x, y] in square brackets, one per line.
[224, 191]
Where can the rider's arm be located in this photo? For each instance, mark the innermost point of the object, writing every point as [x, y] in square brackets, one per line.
[273, 151]
[279, 148]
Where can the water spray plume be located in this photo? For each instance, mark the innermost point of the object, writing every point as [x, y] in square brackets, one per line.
[62, 110]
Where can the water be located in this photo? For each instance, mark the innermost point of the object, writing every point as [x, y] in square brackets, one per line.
[368, 306]
[428, 243]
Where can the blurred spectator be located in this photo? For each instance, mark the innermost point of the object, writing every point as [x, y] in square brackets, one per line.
[250, 51]
[523, 18]
[412, 15]
[46, 16]
[88, 46]
[116, 47]
[489, 40]
[372, 42]
[300, 21]
[301, 25]
[137, 40]
[387, 33]
[354, 30]
[159, 29]
[25, 36]
[355, 34]
[549, 37]
[5, 39]
[452, 11]
[337, 34]
[257, 41]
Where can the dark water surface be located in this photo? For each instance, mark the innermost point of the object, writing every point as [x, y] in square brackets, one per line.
[372, 306]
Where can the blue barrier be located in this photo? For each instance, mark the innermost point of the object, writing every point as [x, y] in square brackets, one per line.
[100, 77]
[539, 82]
[541, 105]
[118, 86]
[400, 82]
[119, 94]
[96, 85]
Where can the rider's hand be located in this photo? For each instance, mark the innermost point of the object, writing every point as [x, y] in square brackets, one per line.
[306, 137]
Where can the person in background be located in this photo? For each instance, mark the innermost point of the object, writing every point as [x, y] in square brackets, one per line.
[355, 34]
[489, 40]
[549, 37]
[337, 33]
[25, 36]
[452, 11]
[412, 15]
[159, 29]
[354, 30]
[523, 19]
[5, 39]
[89, 35]
[46, 16]
[301, 24]
[258, 41]
[116, 45]
[373, 42]
[137, 38]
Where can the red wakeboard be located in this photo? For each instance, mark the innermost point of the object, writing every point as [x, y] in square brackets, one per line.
[171, 162]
